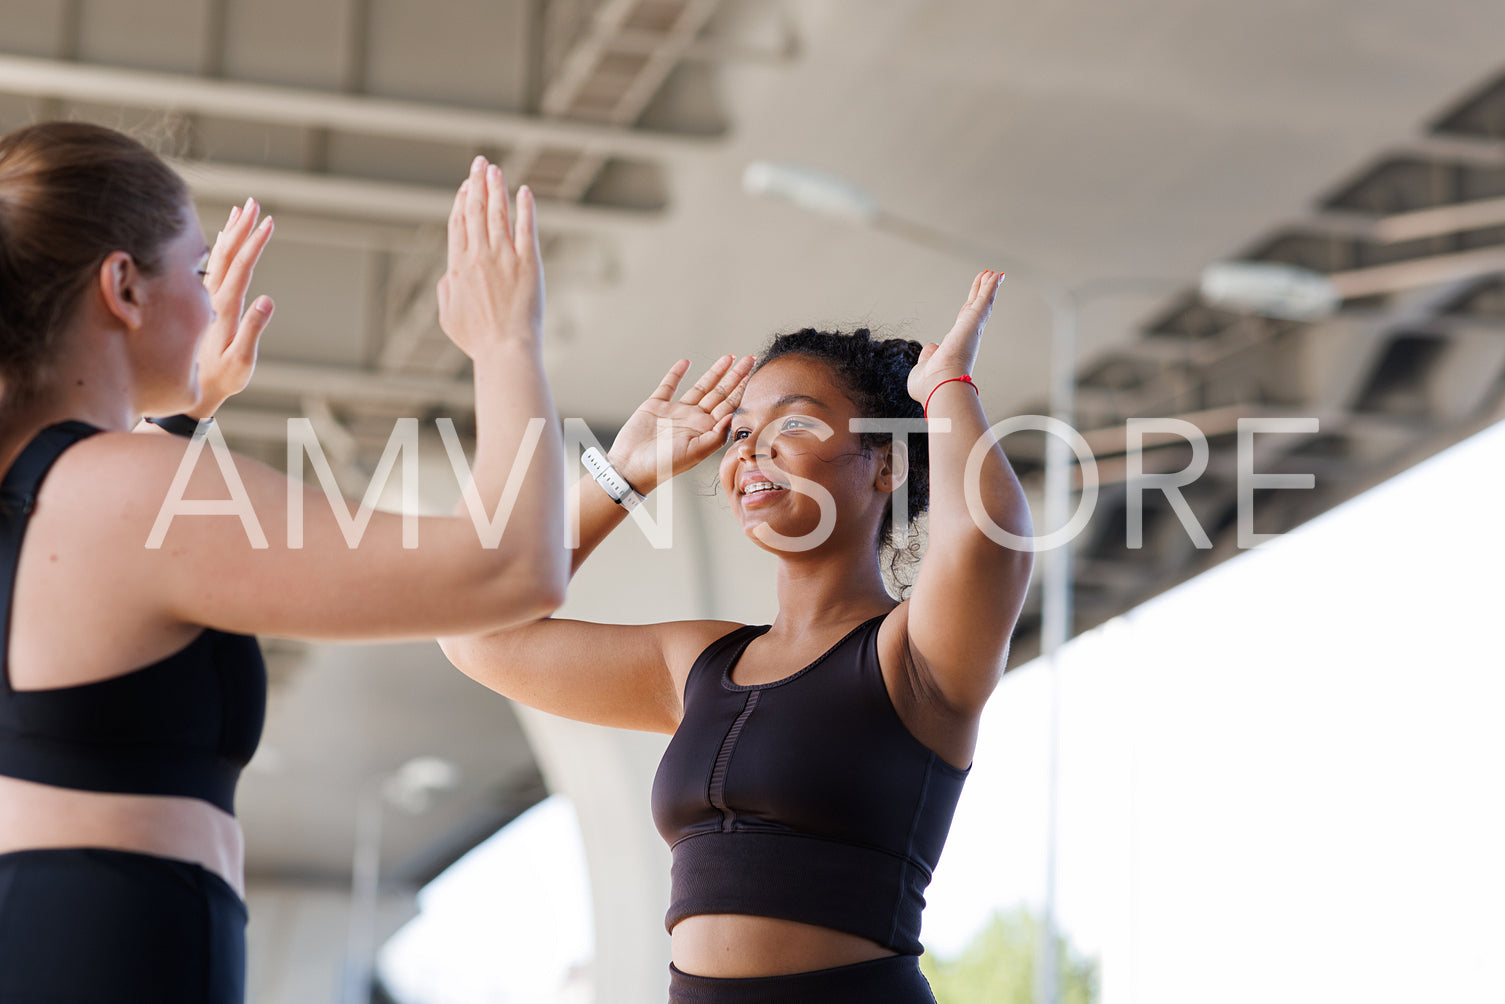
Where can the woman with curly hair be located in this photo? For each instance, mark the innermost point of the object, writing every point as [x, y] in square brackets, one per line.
[131, 689]
[815, 762]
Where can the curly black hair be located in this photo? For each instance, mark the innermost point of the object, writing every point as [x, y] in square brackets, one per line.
[874, 373]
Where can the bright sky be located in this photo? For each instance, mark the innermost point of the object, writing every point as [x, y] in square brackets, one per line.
[1280, 781]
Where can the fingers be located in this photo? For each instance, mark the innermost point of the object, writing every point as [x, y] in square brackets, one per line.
[239, 223]
[979, 305]
[475, 204]
[237, 274]
[730, 389]
[480, 216]
[996, 280]
[496, 207]
[525, 240]
[456, 226]
[714, 436]
[671, 381]
[708, 380]
[988, 293]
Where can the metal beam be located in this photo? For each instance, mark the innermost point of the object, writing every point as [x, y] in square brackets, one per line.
[378, 200]
[292, 106]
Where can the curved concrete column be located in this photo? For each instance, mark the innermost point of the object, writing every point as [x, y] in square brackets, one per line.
[608, 774]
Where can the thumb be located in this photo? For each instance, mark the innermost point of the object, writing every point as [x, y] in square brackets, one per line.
[926, 353]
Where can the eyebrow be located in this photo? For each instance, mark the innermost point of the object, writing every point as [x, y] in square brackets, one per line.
[789, 399]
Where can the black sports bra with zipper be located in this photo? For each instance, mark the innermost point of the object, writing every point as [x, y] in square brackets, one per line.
[806, 799]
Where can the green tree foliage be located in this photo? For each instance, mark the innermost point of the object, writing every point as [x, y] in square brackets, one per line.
[998, 967]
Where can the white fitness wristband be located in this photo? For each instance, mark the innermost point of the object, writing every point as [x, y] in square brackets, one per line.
[607, 477]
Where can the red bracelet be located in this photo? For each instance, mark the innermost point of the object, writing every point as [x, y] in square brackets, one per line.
[963, 379]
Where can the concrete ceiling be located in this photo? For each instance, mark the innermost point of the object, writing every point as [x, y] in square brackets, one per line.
[1145, 139]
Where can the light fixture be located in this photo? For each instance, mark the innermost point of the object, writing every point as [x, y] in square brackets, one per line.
[1270, 289]
[811, 190]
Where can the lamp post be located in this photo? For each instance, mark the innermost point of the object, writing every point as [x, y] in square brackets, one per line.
[410, 788]
[1267, 288]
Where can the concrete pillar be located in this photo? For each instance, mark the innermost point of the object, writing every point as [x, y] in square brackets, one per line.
[608, 775]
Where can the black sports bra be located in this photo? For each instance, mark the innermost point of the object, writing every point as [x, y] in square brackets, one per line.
[184, 725]
[806, 799]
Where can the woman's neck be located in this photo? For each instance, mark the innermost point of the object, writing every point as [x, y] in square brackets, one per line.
[818, 590]
[88, 382]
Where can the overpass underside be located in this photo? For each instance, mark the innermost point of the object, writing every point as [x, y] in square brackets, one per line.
[1140, 140]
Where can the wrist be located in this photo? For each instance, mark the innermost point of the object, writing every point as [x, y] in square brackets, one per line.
[933, 381]
[504, 351]
[204, 409]
[617, 487]
[642, 479]
[939, 381]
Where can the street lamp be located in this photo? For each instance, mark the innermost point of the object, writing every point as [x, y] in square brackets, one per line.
[409, 788]
[1266, 288]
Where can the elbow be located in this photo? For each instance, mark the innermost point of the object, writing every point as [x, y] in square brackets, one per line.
[554, 580]
[547, 576]
[550, 598]
[537, 590]
[456, 649]
[527, 588]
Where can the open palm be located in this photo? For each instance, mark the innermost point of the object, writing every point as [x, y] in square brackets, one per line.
[227, 353]
[957, 352]
[693, 427]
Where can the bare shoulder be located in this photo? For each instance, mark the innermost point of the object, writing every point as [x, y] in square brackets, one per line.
[104, 486]
[129, 474]
[684, 641]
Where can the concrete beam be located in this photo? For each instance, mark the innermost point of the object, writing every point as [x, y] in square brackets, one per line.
[1473, 151]
[293, 106]
[337, 383]
[377, 200]
[1430, 271]
[1440, 221]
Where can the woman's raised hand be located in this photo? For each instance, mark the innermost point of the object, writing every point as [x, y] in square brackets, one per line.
[957, 352]
[492, 291]
[227, 353]
[697, 422]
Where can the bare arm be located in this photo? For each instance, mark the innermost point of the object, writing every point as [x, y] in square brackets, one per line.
[969, 590]
[562, 666]
[207, 570]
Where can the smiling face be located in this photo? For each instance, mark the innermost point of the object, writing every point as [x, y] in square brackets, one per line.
[798, 478]
[177, 314]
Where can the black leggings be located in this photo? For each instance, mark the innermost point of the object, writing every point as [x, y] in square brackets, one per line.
[892, 980]
[96, 926]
